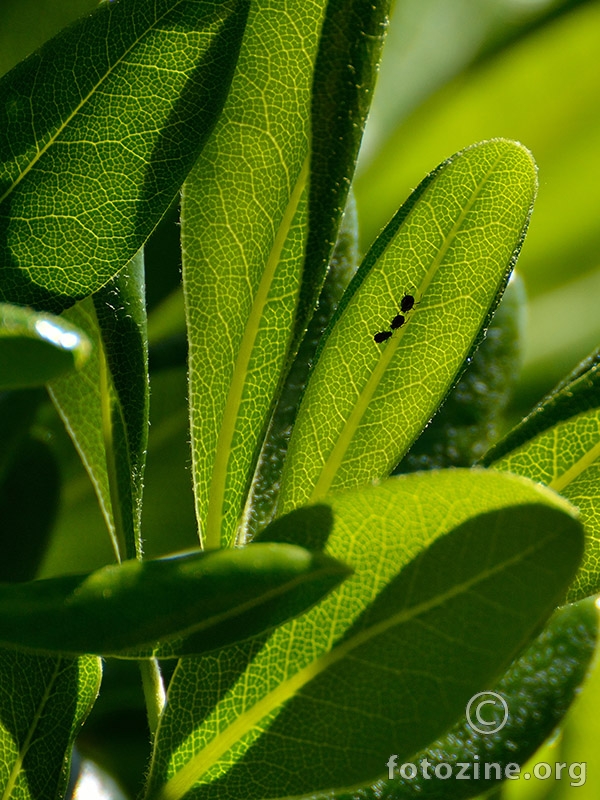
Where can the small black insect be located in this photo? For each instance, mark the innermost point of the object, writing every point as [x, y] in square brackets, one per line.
[407, 303]
[397, 322]
[382, 336]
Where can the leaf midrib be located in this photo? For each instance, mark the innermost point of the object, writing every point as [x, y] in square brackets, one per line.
[24, 749]
[335, 458]
[216, 495]
[86, 99]
[187, 777]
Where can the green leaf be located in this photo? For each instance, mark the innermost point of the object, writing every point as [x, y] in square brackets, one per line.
[98, 130]
[43, 703]
[345, 72]
[454, 573]
[538, 689]
[194, 602]
[344, 261]
[559, 444]
[451, 246]
[242, 256]
[105, 407]
[35, 348]
[472, 414]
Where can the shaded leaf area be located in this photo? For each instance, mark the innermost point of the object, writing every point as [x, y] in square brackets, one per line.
[559, 444]
[43, 703]
[36, 348]
[344, 78]
[29, 496]
[342, 267]
[243, 220]
[451, 248]
[204, 600]
[538, 689]
[98, 130]
[327, 699]
[472, 414]
[17, 413]
[105, 407]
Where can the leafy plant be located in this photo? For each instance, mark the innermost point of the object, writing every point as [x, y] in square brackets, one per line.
[328, 615]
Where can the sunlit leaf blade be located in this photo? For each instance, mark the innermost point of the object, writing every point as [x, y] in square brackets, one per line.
[243, 231]
[344, 262]
[472, 415]
[105, 406]
[98, 130]
[538, 689]
[451, 247]
[345, 72]
[332, 694]
[559, 444]
[35, 348]
[204, 600]
[43, 703]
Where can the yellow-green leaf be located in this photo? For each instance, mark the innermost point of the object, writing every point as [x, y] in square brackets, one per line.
[451, 247]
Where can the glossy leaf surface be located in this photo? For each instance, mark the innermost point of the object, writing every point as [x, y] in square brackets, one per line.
[98, 130]
[210, 599]
[451, 247]
[35, 348]
[454, 572]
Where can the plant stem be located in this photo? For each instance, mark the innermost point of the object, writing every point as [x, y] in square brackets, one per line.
[154, 691]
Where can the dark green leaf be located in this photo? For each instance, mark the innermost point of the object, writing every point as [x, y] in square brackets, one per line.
[98, 130]
[105, 406]
[194, 602]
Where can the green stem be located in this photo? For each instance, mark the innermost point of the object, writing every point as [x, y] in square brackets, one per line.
[154, 691]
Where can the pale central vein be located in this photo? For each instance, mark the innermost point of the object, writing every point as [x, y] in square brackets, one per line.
[335, 458]
[82, 103]
[214, 517]
[185, 779]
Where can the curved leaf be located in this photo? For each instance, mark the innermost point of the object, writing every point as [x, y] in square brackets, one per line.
[35, 348]
[203, 600]
[451, 247]
[559, 444]
[98, 130]
[538, 689]
[105, 406]
[454, 573]
[43, 703]
[242, 256]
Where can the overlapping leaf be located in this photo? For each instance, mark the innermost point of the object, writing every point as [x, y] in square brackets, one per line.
[244, 227]
[193, 602]
[451, 247]
[537, 689]
[455, 571]
[98, 130]
[105, 406]
[43, 703]
[35, 348]
[559, 444]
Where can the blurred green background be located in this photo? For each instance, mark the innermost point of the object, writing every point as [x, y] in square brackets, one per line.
[454, 72]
